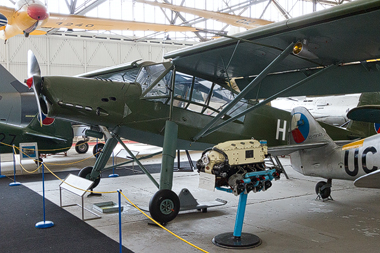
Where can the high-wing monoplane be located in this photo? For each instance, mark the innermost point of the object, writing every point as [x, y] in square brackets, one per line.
[31, 17]
[192, 101]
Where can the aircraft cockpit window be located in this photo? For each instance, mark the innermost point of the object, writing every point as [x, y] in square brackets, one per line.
[149, 74]
[161, 91]
[125, 76]
[191, 93]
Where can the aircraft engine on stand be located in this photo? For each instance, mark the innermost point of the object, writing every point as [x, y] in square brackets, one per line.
[238, 165]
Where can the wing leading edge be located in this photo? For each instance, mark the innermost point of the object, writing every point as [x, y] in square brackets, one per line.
[90, 23]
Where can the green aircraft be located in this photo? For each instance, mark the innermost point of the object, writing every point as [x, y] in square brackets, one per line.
[210, 93]
[54, 136]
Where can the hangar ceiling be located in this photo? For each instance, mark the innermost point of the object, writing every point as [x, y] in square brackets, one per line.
[65, 52]
[135, 10]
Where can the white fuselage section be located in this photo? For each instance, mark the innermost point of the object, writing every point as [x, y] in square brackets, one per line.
[348, 162]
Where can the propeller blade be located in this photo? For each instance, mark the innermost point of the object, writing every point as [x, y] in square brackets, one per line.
[37, 96]
[34, 75]
[33, 66]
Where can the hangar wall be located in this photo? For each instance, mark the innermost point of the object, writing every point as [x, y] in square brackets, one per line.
[75, 54]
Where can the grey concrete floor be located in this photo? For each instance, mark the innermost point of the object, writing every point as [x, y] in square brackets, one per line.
[286, 217]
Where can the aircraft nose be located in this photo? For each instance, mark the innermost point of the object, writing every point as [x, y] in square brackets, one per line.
[37, 12]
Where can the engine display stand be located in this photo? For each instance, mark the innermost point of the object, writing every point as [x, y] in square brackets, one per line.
[237, 239]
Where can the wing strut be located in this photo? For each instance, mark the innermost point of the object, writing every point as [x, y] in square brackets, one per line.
[273, 97]
[248, 88]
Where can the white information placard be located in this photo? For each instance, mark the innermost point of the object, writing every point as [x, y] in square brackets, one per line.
[29, 151]
[76, 185]
[207, 181]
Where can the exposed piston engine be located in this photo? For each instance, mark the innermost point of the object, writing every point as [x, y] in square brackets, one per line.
[238, 165]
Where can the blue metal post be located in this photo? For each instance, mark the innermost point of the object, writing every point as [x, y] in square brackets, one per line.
[15, 183]
[120, 231]
[240, 214]
[1, 176]
[113, 164]
[44, 223]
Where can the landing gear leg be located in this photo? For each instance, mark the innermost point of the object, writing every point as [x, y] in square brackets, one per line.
[164, 205]
[323, 190]
[100, 163]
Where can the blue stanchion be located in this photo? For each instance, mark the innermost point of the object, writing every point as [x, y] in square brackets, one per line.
[44, 223]
[113, 169]
[240, 214]
[1, 176]
[15, 183]
[120, 231]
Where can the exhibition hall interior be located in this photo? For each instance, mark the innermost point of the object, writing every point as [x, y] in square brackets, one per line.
[193, 126]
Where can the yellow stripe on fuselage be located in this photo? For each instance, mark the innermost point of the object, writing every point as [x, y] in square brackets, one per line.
[356, 144]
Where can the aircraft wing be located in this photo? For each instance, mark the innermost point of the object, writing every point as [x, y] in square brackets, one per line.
[6, 11]
[371, 180]
[328, 35]
[89, 23]
[230, 19]
[288, 149]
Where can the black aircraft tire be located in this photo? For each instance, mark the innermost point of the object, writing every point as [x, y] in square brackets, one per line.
[97, 149]
[81, 147]
[85, 173]
[325, 193]
[164, 206]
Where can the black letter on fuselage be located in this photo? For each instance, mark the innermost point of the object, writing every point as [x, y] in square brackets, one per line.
[356, 167]
[364, 159]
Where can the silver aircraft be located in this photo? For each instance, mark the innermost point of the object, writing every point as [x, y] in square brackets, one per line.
[357, 161]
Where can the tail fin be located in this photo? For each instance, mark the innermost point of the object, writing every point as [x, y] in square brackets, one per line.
[304, 129]
[53, 127]
[365, 129]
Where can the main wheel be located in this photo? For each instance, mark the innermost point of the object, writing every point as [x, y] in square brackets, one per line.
[164, 206]
[86, 172]
[98, 148]
[325, 192]
[81, 147]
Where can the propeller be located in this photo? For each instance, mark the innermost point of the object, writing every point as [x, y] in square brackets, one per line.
[34, 80]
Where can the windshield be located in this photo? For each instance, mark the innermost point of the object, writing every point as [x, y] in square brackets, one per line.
[192, 93]
[127, 76]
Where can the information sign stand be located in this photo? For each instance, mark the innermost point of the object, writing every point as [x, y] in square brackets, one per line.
[78, 186]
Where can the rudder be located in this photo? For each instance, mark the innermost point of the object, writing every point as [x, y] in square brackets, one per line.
[304, 129]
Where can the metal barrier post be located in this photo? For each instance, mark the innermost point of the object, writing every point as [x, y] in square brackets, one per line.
[15, 183]
[44, 223]
[120, 231]
[113, 164]
[1, 176]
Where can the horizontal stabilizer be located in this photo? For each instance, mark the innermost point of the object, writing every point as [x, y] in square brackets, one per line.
[371, 180]
[367, 113]
[53, 138]
[288, 149]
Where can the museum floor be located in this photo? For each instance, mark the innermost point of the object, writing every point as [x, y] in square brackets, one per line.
[287, 217]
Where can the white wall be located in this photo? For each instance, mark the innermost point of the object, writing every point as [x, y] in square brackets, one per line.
[75, 54]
